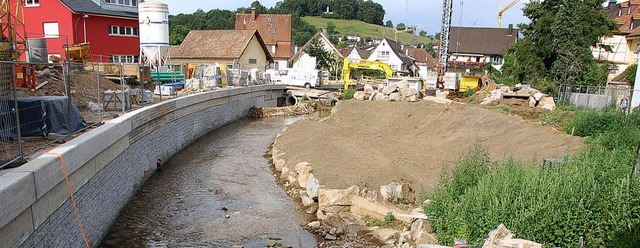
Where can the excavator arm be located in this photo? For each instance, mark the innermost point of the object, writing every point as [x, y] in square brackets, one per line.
[364, 65]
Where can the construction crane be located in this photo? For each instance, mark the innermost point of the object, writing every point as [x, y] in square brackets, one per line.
[443, 48]
[503, 9]
[13, 41]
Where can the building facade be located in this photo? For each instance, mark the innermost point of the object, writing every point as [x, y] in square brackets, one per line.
[109, 26]
[275, 30]
[390, 52]
[303, 62]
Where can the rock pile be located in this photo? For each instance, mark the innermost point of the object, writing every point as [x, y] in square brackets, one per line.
[396, 92]
[536, 98]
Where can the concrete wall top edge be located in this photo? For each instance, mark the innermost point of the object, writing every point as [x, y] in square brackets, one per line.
[17, 193]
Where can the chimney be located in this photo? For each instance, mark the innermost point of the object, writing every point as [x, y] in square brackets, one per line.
[612, 4]
[253, 13]
[510, 33]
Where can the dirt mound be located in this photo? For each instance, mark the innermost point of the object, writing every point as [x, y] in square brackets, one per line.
[84, 86]
[374, 143]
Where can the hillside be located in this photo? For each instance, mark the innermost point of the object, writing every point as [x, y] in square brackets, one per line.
[363, 28]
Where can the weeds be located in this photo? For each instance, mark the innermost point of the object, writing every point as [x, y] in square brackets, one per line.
[388, 221]
[552, 118]
[504, 108]
[592, 196]
[349, 93]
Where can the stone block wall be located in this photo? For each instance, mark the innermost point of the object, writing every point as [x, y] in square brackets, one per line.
[107, 165]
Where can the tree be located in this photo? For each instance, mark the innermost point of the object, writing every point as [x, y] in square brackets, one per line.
[630, 73]
[556, 45]
[345, 9]
[423, 33]
[389, 24]
[301, 30]
[331, 28]
[177, 34]
[370, 12]
[401, 26]
[324, 59]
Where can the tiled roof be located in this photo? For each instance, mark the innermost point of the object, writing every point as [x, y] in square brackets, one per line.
[487, 41]
[626, 17]
[266, 24]
[420, 55]
[90, 7]
[218, 44]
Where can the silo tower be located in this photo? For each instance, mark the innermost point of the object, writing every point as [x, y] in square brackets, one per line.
[154, 33]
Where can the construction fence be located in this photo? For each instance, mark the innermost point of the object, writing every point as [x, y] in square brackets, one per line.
[594, 97]
[47, 103]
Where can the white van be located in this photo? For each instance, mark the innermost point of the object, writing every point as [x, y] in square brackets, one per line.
[307, 79]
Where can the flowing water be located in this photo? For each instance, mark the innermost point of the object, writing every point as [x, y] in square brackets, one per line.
[218, 192]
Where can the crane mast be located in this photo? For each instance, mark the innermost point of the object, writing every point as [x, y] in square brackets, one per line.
[445, 35]
[503, 9]
[13, 41]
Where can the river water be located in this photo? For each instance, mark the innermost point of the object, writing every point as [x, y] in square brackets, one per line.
[182, 205]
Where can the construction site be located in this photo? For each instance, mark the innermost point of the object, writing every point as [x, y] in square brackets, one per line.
[242, 138]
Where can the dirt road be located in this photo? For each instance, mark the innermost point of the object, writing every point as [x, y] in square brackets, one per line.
[374, 143]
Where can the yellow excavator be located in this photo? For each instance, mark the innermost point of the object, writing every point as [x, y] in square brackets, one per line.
[363, 65]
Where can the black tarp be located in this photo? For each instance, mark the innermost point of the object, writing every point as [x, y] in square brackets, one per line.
[40, 116]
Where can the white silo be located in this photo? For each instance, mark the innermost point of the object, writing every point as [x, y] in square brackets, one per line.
[153, 18]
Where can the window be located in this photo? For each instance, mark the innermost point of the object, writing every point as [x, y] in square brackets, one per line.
[619, 12]
[269, 20]
[629, 10]
[131, 3]
[33, 3]
[123, 31]
[51, 30]
[273, 31]
[125, 59]
[631, 25]
[253, 61]
[384, 54]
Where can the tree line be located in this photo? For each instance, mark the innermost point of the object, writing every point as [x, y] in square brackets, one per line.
[367, 11]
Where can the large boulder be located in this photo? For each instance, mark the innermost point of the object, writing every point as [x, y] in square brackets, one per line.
[532, 102]
[547, 103]
[380, 88]
[395, 97]
[312, 186]
[386, 234]
[336, 197]
[303, 170]
[538, 96]
[359, 95]
[394, 191]
[402, 84]
[368, 89]
[390, 89]
[382, 98]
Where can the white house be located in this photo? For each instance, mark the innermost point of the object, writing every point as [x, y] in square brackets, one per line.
[389, 51]
[303, 62]
[355, 54]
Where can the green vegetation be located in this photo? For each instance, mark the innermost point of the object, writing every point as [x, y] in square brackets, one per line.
[504, 108]
[364, 29]
[630, 73]
[388, 221]
[349, 93]
[593, 194]
[556, 45]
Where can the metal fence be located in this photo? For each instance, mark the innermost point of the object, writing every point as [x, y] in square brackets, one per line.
[593, 97]
[47, 103]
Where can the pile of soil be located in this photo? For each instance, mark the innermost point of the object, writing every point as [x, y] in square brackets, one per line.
[84, 83]
[370, 144]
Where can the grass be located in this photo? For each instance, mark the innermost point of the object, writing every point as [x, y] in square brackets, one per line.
[592, 195]
[389, 220]
[349, 93]
[363, 29]
[504, 108]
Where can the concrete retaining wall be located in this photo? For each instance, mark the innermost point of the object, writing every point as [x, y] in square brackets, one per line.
[107, 165]
[590, 101]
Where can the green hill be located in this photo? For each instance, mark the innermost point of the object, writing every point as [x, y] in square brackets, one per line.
[363, 29]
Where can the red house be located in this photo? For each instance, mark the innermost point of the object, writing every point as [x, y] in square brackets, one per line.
[110, 26]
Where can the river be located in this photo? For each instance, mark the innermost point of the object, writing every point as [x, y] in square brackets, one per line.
[184, 204]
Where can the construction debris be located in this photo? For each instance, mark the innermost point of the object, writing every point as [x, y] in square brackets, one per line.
[298, 109]
[494, 94]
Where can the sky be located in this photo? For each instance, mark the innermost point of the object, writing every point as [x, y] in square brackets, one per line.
[472, 13]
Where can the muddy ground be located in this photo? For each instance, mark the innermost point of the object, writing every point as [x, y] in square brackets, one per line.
[370, 144]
